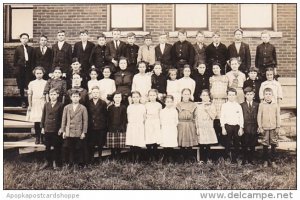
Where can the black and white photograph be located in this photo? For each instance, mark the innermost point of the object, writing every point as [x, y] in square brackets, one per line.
[150, 96]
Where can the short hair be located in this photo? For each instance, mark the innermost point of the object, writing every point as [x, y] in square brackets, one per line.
[54, 90]
[253, 69]
[116, 30]
[199, 32]
[232, 90]
[75, 60]
[123, 58]
[74, 91]
[216, 33]
[24, 34]
[60, 31]
[38, 68]
[76, 74]
[44, 36]
[268, 90]
[84, 31]
[131, 34]
[200, 63]
[148, 36]
[238, 29]
[163, 33]
[57, 68]
[95, 87]
[248, 89]
[183, 31]
[101, 35]
[111, 97]
[265, 32]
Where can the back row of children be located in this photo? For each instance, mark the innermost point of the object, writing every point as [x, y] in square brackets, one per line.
[176, 56]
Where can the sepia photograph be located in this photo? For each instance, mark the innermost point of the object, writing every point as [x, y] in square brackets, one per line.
[149, 96]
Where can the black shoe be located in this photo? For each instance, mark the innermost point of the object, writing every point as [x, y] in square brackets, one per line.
[37, 140]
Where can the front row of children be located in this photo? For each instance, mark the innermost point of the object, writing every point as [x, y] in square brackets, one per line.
[148, 125]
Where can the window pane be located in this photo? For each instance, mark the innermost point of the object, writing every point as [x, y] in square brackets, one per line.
[191, 16]
[21, 22]
[256, 15]
[126, 16]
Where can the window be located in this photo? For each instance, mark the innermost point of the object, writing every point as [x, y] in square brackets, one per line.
[127, 17]
[191, 16]
[256, 16]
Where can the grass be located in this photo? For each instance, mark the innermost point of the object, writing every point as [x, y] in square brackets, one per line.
[22, 172]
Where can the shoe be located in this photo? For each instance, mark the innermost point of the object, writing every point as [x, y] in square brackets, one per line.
[265, 164]
[273, 165]
[37, 140]
[243, 162]
[45, 166]
[23, 105]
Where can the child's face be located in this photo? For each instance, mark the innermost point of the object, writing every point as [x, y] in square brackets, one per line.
[75, 98]
[157, 69]
[136, 98]
[234, 65]
[101, 41]
[201, 68]
[252, 75]
[53, 96]
[61, 37]
[238, 36]
[231, 96]
[186, 95]
[265, 38]
[123, 64]
[39, 74]
[216, 39]
[142, 68]
[162, 39]
[76, 80]
[93, 75]
[116, 35]
[205, 97]
[269, 75]
[131, 40]
[95, 93]
[186, 72]
[169, 103]
[173, 75]
[57, 74]
[200, 38]
[152, 96]
[118, 99]
[24, 39]
[182, 37]
[249, 96]
[216, 70]
[148, 42]
[84, 37]
[76, 66]
[106, 73]
[268, 96]
[43, 41]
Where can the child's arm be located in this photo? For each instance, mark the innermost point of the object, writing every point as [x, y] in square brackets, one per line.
[63, 122]
[241, 122]
[222, 120]
[85, 123]
[30, 92]
[259, 117]
[64, 91]
[43, 119]
[277, 119]
[46, 90]
[140, 56]
[261, 90]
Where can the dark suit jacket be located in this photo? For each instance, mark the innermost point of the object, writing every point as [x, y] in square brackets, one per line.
[43, 60]
[97, 115]
[200, 56]
[83, 55]
[97, 57]
[111, 52]
[265, 56]
[219, 54]
[255, 85]
[62, 58]
[244, 55]
[51, 117]
[250, 116]
[164, 57]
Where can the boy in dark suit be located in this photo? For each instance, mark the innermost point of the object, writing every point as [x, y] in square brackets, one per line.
[241, 50]
[43, 56]
[249, 138]
[50, 124]
[82, 51]
[62, 53]
[97, 58]
[163, 53]
[130, 51]
[199, 46]
[253, 82]
[23, 61]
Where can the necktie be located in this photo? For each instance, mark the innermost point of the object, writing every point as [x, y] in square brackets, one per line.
[25, 53]
[43, 52]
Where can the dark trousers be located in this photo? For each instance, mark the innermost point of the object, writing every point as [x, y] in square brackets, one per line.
[135, 153]
[52, 139]
[269, 155]
[95, 141]
[37, 130]
[24, 76]
[73, 150]
[248, 141]
[204, 152]
[218, 130]
[232, 139]
[152, 151]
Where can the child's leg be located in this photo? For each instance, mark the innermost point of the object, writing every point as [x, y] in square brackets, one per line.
[149, 151]
[227, 141]
[48, 155]
[37, 128]
[265, 155]
[218, 130]
[251, 154]
[236, 143]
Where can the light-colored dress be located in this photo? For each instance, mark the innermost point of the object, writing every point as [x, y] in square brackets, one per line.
[36, 89]
[236, 80]
[174, 90]
[152, 123]
[135, 133]
[218, 90]
[107, 86]
[206, 114]
[187, 82]
[169, 122]
[187, 134]
[142, 84]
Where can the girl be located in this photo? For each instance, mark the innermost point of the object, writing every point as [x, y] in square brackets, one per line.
[173, 86]
[187, 137]
[36, 101]
[168, 123]
[117, 120]
[236, 78]
[142, 82]
[186, 81]
[58, 83]
[218, 88]
[107, 85]
[206, 113]
[159, 81]
[152, 124]
[135, 133]
[94, 81]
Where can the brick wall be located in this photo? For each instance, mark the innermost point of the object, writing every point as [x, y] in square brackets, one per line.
[48, 18]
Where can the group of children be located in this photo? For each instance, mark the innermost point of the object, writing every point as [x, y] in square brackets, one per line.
[168, 96]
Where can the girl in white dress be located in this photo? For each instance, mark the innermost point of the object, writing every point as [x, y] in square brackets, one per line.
[135, 133]
[36, 101]
[107, 85]
[93, 82]
[206, 113]
[152, 124]
[186, 81]
[173, 86]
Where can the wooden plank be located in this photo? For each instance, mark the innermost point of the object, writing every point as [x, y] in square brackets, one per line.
[14, 109]
[17, 124]
[14, 117]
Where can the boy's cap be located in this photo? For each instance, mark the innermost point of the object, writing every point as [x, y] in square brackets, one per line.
[183, 31]
[148, 36]
[216, 33]
[75, 60]
[84, 31]
[101, 35]
[131, 34]
[248, 89]
[238, 29]
[253, 69]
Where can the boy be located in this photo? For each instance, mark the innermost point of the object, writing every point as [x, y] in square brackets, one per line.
[147, 52]
[182, 52]
[249, 138]
[43, 56]
[76, 68]
[50, 124]
[82, 50]
[241, 50]
[216, 51]
[74, 128]
[97, 58]
[163, 53]
[23, 60]
[76, 85]
[97, 114]
[268, 120]
[130, 51]
[232, 123]
[62, 52]
[253, 82]
[265, 56]
[199, 47]
[202, 81]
